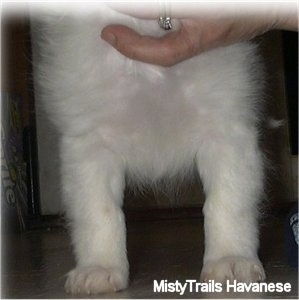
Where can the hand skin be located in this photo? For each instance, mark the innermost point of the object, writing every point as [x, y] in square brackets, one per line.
[196, 35]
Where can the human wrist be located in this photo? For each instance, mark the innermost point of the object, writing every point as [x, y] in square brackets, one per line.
[288, 22]
[285, 17]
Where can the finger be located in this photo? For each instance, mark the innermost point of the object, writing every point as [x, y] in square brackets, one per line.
[165, 51]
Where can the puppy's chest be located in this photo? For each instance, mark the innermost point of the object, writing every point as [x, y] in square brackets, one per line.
[149, 117]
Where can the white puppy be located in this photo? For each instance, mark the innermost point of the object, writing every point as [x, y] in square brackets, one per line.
[121, 119]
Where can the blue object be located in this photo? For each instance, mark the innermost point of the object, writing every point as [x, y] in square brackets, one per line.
[292, 237]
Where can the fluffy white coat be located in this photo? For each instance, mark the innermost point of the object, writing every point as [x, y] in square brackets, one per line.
[121, 119]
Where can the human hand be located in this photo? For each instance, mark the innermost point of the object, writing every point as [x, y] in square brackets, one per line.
[196, 35]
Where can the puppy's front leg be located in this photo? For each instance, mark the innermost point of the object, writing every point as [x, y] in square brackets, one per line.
[93, 183]
[232, 171]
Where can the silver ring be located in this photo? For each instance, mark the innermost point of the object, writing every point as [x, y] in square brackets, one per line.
[165, 23]
[164, 20]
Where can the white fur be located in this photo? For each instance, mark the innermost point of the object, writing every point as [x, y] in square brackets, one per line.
[119, 118]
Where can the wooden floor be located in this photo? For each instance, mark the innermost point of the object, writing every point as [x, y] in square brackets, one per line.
[34, 263]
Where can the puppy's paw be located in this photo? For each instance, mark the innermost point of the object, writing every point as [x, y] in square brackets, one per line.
[231, 268]
[95, 280]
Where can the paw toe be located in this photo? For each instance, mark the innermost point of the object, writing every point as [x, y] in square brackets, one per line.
[237, 268]
[94, 280]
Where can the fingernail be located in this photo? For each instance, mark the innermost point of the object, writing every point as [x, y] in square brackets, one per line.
[109, 38]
